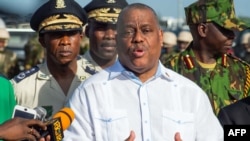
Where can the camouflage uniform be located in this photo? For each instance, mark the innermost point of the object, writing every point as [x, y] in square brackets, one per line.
[229, 80]
[8, 63]
[34, 53]
[224, 85]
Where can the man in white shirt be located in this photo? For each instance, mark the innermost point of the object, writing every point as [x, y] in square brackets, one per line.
[139, 94]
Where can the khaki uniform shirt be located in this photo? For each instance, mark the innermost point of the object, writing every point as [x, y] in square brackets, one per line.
[37, 87]
[89, 64]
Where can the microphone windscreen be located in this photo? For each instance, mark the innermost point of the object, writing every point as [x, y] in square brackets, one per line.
[66, 115]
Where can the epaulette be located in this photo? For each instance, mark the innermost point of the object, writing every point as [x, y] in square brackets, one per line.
[90, 71]
[247, 82]
[25, 74]
[78, 57]
[237, 58]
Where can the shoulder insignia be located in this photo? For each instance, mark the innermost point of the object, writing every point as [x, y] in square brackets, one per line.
[25, 74]
[188, 60]
[90, 71]
[82, 78]
[78, 57]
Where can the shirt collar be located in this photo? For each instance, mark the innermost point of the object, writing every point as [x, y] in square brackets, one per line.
[117, 69]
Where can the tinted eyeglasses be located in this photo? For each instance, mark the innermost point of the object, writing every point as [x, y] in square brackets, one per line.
[226, 32]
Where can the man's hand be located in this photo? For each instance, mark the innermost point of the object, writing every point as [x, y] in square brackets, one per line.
[177, 137]
[21, 129]
[45, 139]
[131, 136]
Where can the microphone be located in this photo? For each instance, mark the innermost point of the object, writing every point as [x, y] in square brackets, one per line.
[59, 122]
[67, 116]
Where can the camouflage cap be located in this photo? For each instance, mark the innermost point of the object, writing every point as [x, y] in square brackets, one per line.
[219, 11]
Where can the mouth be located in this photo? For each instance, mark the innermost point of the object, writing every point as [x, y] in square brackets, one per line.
[228, 46]
[108, 46]
[65, 53]
[138, 52]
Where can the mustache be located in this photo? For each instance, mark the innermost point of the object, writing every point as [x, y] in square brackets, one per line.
[108, 44]
[138, 47]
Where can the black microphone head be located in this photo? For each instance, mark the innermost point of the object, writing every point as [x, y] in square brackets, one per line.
[40, 113]
[59, 122]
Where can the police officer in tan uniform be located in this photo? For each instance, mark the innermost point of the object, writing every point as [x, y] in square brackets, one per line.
[101, 31]
[8, 59]
[59, 24]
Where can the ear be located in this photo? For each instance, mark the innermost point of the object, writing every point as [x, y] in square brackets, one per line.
[161, 36]
[41, 40]
[202, 29]
[87, 31]
[81, 35]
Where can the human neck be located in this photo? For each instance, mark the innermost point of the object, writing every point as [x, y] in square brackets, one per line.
[62, 70]
[202, 54]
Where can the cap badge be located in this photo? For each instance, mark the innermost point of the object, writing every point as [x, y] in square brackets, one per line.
[60, 4]
[111, 1]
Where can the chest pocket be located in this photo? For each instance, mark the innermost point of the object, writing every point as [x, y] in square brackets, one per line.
[178, 122]
[111, 126]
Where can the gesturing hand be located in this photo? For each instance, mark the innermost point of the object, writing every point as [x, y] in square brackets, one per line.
[131, 136]
[177, 137]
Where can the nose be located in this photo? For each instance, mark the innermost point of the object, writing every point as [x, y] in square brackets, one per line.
[138, 37]
[65, 40]
[110, 34]
[2, 43]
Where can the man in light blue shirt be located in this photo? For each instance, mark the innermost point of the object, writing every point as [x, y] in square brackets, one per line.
[139, 94]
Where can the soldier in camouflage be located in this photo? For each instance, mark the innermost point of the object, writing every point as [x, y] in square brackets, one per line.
[34, 53]
[206, 61]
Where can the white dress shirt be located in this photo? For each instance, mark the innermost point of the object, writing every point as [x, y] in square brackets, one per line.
[114, 101]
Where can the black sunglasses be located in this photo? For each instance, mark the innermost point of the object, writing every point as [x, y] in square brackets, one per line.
[226, 32]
